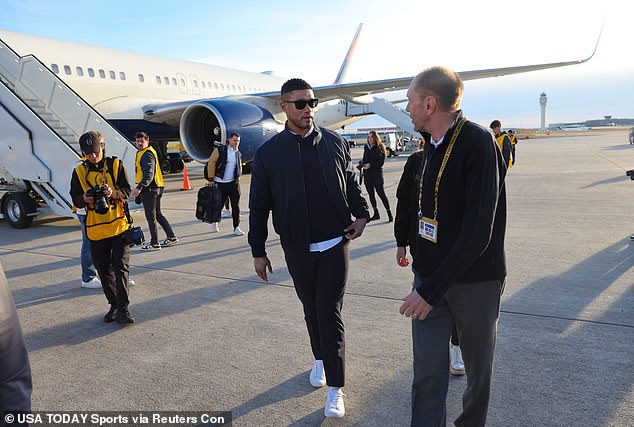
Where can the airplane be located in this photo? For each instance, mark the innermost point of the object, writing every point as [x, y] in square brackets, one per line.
[201, 104]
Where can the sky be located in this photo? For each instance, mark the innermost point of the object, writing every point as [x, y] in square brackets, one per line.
[400, 38]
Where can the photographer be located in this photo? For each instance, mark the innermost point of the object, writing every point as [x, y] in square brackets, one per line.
[100, 184]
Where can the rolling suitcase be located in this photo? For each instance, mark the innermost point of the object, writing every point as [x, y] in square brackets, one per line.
[205, 204]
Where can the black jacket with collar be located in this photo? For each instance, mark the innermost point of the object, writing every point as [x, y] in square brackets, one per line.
[277, 185]
[375, 157]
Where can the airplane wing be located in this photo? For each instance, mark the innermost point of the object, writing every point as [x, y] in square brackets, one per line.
[170, 113]
[354, 91]
[357, 92]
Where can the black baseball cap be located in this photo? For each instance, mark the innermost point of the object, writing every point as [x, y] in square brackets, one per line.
[90, 142]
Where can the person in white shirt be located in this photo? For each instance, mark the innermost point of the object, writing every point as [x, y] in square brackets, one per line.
[223, 170]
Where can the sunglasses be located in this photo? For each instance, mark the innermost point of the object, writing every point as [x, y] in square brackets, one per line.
[301, 103]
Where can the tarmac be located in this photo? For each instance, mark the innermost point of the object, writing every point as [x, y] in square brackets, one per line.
[211, 336]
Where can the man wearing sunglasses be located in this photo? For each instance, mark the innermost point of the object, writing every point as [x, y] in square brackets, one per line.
[304, 175]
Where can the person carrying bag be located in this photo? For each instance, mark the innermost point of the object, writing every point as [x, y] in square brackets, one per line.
[100, 184]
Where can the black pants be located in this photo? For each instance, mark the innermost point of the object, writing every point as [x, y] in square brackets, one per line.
[230, 191]
[375, 183]
[320, 281]
[111, 257]
[151, 200]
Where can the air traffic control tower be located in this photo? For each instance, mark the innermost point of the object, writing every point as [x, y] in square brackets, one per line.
[542, 104]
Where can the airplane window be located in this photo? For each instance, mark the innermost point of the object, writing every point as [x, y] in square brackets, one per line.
[174, 81]
[196, 84]
[79, 71]
[91, 72]
[158, 80]
[112, 75]
[203, 85]
[102, 74]
[166, 80]
[121, 75]
[141, 78]
[216, 86]
[233, 88]
[183, 83]
[55, 68]
[67, 69]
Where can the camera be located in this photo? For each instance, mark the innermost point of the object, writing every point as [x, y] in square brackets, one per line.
[101, 201]
[630, 173]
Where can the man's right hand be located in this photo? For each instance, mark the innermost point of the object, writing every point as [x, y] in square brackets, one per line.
[261, 264]
[401, 256]
[210, 184]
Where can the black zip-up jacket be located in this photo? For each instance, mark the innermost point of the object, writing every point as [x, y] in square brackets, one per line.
[277, 185]
[406, 218]
[471, 213]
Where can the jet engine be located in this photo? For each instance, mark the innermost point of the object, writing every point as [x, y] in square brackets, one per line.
[205, 124]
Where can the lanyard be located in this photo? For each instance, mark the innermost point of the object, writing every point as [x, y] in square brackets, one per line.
[442, 168]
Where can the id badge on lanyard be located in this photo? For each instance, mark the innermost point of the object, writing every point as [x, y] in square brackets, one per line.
[428, 229]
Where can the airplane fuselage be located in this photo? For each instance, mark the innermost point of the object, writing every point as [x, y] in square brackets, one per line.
[121, 85]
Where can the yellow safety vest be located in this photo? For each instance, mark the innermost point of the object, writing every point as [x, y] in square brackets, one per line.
[500, 141]
[113, 223]
[158, 175]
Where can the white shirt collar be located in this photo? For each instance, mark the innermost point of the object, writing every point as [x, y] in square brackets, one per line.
[306, 134]
[440, 141]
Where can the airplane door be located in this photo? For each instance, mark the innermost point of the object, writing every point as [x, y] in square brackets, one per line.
[182, 82]
[195, 84]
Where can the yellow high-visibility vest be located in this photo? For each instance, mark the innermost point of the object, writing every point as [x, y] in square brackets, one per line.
[112, 223]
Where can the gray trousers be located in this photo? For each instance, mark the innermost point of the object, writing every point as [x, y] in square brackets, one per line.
[474, 308]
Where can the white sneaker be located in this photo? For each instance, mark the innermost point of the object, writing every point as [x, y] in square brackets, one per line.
[214, 227]
[456, 365]
[226, 213]
[93, 283]
[317, 374]
[131, 282]
[238, 232]
[334, 403]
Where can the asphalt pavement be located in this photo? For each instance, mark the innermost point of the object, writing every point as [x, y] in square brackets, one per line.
[211, 336]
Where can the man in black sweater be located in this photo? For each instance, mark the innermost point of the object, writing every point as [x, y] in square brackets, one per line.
[460, 268]
[304, 175]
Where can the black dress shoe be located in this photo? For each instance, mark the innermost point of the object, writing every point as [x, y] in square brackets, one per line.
[124, 318]
[375, 216]
[390, 218]
[110, 315]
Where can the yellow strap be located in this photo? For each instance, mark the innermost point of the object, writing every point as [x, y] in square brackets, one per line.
[440, 172]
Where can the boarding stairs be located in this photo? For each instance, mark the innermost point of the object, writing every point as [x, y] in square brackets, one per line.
[384, 108]
[41, 120]
[392, 113]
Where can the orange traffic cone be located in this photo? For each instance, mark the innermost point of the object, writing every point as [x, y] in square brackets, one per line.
[186, 185]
